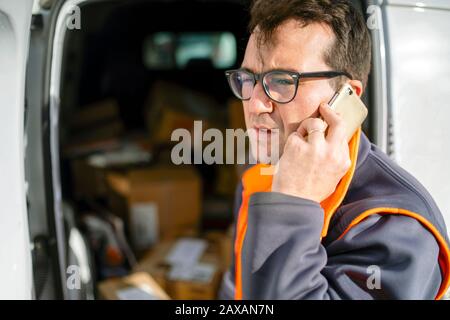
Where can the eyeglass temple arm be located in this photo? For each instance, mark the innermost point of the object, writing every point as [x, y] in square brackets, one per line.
[325, 74]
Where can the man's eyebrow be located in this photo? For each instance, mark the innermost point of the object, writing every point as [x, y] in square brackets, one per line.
[245, 68]
[272, 69]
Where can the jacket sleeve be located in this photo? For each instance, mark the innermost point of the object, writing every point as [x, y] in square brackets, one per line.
[383, 257]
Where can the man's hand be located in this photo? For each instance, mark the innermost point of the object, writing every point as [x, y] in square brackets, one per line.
[313, 164]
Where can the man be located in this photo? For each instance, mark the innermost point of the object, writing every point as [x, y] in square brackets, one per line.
[339, 219]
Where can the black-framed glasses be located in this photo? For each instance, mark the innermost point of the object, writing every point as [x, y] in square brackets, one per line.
[280, 85]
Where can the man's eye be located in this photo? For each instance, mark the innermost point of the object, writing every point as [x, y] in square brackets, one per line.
[243, 77]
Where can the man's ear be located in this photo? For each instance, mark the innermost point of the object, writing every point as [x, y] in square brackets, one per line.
[357, 86]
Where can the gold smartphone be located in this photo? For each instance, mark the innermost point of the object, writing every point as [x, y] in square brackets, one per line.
[347, 103]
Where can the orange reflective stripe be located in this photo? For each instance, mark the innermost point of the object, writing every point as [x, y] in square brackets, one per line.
[331, 203]
[253, 181]
[444, 252]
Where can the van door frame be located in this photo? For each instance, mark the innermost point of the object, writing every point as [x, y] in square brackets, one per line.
[48, 227]
[379, 109]
[61, 14]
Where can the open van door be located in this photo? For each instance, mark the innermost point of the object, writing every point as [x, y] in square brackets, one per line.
[61, 264]
[418, 53]
[15, 254]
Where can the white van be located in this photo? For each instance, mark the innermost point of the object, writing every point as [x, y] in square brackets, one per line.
[50, 63]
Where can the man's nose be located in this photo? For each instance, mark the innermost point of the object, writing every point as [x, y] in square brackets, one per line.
[259, 101]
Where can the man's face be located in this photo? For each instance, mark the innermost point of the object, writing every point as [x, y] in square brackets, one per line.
[297, 49]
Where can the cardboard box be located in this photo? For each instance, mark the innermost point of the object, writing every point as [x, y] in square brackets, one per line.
[206, 289]
[227, 180]
[157, 204]
[78, 150]
[88, 180]
[95, 113]
[223, 241]
[137, 286]
[169, 121]
[89, 173]
[198, 281]
[170, 106]
[154, 264]
[104, 131]
[97, 121]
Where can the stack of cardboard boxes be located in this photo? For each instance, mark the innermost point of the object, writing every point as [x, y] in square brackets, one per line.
[162, 208]
[160, 205]
[157, 203]
[186, 268]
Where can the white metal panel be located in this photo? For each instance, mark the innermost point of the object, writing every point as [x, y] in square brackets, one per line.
[15, 258]
[439, 4]
[419, 80]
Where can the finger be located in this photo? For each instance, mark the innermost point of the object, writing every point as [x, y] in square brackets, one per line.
[295, 140]
[336, 126]
[309, 124]
[316, 136]
[313, 129]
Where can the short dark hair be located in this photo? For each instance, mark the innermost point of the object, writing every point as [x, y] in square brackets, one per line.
[351, 49]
